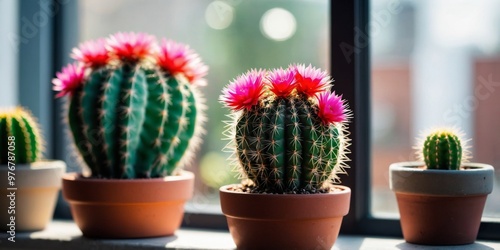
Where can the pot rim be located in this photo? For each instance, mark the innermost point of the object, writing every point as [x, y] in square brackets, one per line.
[414, 166]
[78, 177]
[284, 206]
[36, 165]
[77, 189]
[39, 174]
[406, 177]
[344, 189]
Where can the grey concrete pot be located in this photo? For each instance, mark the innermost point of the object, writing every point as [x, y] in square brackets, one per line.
[441, 207]
[33, 197]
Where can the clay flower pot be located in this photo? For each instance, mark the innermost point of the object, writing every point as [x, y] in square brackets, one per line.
[33, 202]
[441, 207]
[284, 221]
[128, 208]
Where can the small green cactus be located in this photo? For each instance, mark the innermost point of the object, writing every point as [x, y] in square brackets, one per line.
[134, 111]
[20, 139]
[443, 149]
[289, 133]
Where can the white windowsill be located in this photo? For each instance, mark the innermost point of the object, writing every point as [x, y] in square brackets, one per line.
[66, 235]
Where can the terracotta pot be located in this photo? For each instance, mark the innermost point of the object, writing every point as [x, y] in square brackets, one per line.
[284, 221]
[441, 207]
[135, 208]
[33, 202]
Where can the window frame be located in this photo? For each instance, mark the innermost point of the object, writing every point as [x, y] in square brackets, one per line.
[353, 81]
[40, 56]
[47, 51]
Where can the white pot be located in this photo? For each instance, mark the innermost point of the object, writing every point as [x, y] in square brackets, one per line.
[32, 198]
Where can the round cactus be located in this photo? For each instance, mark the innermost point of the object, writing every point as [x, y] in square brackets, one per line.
[289, 130]
[443, 149]
[20, 139]
[134, 107]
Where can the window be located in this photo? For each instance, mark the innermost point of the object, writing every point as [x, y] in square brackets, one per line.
[442, 60]
[235, 35]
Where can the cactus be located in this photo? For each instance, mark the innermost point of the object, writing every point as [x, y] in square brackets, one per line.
[443, 149]
[134, 111]
[289, 132]
[20, 139]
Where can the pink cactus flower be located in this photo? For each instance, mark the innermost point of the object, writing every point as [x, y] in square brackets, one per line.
[92, 53]
[331, 108]
[69, 79]
[282, 82]
[131, 47]
[245, 91]
[178, 58]
[310, 80]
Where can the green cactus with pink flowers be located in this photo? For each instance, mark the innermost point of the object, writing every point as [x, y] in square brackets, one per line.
[289, 134]
[137, 113]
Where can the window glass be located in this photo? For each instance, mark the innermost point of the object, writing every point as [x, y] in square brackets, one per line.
[433, 63]
[9, 39]
[231, 36]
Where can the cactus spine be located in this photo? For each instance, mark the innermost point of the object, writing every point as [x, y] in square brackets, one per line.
[17, 125]
[282, 144]
[442, 149]
[134, 119]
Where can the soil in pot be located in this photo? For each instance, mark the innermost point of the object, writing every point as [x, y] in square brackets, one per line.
[284, 221]
[136, 208]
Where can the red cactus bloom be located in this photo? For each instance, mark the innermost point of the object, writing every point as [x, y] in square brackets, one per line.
[92, 53]
[310, 80]
[178, 58]
[245, 91]
[282, 82]
[131, 47]
[331, 108]
[69, 79]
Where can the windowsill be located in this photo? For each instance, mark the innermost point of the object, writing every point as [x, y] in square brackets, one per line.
[66, 235]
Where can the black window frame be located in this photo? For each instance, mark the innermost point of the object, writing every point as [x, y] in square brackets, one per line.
[46, 52]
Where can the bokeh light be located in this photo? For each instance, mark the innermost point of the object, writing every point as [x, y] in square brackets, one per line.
[215, 171]
[219, 15]
[278, 24]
